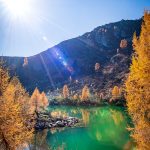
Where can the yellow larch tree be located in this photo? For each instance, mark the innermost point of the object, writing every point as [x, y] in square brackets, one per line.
[22, 97]
[39, 101]
[138, 86]
[65, 91]
[116, 92]
[13, 123]
[36, 100]
[14, 129]
[44, 100]
[85, 93]
[4, 77]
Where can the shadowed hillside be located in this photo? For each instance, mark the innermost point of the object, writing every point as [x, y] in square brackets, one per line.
[77, 57]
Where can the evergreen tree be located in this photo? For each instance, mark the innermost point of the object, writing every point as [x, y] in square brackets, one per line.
[138, 86]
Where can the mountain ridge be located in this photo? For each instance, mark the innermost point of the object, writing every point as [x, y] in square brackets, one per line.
[76, 57]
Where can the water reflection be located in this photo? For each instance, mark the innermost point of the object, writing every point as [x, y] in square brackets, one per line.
[57, 113]
[117, 116]
[109, 126]
[85, 116]
[39, 142]
[101, 128]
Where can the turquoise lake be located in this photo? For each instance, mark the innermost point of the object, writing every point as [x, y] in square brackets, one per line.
[102, 128]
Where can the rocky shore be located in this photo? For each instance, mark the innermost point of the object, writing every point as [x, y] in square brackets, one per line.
[45, 121]
[69, 102]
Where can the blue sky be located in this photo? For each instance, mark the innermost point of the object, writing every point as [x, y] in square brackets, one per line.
[45, 23]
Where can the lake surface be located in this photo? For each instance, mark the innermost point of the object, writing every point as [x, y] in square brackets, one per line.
[102, 128]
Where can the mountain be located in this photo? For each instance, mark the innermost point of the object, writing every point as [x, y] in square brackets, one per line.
[77, 57]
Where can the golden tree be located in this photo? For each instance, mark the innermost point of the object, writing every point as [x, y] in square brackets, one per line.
[15, 129]
[14, 133]
[20, 96]
[65, 91]
[85, 93]
[36, 100]
[138, 86]
[116, 92]
[4, 77]
[44, 100]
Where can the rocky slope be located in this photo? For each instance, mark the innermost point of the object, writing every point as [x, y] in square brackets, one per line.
[77, 57]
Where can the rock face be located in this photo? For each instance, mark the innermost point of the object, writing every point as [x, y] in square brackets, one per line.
[77, 57]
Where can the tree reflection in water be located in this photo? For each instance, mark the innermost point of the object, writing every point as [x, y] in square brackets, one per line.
[101, 128]
[85, 117]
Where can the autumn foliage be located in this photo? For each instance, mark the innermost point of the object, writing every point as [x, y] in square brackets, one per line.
[4, 77]
[44, 100]
[39, 101]
[15, 127]
[85, 93]
[65, 91]
[138, 86]
[116, 92]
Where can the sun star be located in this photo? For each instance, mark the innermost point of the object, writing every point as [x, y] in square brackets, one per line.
[17, 8]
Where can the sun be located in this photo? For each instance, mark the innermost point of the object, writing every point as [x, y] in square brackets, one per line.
[17, 8]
